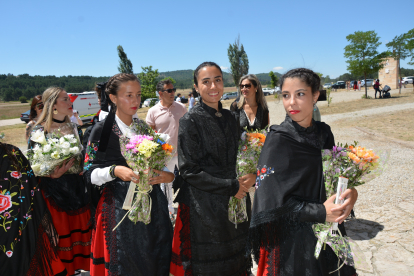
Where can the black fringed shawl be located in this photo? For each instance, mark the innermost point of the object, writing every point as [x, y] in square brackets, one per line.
[289, 199]
[25, 222]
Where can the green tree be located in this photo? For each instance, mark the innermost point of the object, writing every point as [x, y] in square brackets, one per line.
[363, 56]
[171, 79]
[410, 45]
[239, 63]
[274, 80]
[148, 79]
[23, 99]
[327, 79]
[399, 50]
[125, 65]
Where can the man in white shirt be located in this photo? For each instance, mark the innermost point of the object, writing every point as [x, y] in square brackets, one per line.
[178, 100]
[191, 101]
[164, 118]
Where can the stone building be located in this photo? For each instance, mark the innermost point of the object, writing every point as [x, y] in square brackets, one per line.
[389, 74]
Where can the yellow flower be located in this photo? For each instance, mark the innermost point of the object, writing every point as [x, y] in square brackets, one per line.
[147, 147]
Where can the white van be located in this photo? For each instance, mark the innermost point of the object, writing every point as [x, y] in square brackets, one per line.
[86, 103]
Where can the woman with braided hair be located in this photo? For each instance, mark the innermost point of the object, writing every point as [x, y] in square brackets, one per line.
[122, 247]
[290, 195]
[66, 194]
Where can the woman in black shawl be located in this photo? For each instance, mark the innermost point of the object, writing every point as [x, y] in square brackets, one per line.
[205, 241]
[290, 194]
[27, 236]
[132, 249]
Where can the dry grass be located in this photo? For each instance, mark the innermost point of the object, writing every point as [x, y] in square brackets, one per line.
[357, 105]
[15, 135]
[399, 124]
[11, 111]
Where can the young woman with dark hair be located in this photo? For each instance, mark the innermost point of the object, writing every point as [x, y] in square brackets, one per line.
[251, 107]
[290, 195]
[205, 241]
[35, 109]
[131, 248]
[66, 195]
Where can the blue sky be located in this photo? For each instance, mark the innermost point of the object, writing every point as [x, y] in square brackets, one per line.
[80, 37]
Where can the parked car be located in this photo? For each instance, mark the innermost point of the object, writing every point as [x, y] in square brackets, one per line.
[277, 89]
[148, 101]
[268, 91]
[338, 84]
[408, 80]
[25, 116]
[231, 95]
[327, 85]
[370, 82]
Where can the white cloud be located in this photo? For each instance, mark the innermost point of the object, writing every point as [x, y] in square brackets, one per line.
[277, 68]
[224, 68]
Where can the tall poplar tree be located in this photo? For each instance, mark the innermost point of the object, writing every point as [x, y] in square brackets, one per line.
[399, 50]
[239, 63]
[125, 65]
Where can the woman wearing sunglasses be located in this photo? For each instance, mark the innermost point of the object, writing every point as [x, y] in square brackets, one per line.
[35, 109]
[251, 107]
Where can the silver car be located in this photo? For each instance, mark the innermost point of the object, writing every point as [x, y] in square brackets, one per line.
[370, 82]
[231, 95]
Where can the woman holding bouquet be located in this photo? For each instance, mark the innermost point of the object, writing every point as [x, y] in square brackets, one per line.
[205, 241]
[290, 195]
[119, 245]
[251, 107]
[66, 194]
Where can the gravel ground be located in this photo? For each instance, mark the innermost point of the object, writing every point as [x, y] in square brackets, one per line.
[384, 225]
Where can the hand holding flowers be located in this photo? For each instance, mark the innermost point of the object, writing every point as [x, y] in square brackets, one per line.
[51, 152]
[250, 146]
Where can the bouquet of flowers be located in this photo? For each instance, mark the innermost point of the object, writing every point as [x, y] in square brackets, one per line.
[250, 146]
[53, 149]
[144, 153]
[345, 167]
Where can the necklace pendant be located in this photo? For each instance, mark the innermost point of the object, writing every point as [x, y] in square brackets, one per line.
[218, 114]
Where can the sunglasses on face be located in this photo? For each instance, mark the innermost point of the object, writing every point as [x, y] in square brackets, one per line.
[169, 90]
[245, 85]
[40, 105]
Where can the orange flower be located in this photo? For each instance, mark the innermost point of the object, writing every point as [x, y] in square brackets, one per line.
[167, 147]
[259, 136]
[362, 155]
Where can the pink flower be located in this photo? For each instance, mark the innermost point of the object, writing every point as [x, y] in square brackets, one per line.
[9, 253]
[5, 202]
[16, 174]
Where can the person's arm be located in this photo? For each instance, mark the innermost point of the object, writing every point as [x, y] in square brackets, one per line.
[189, 158]
[150, 119]
[78, 119]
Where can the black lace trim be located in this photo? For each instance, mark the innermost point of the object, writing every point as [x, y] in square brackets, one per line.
[109, 223]
[74, 244]
[175, 259]
[273, 262]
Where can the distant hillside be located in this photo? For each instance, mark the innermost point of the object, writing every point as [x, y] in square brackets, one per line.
[184, 78]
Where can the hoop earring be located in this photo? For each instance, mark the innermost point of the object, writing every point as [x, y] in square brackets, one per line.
[55, 111]
[314, 106]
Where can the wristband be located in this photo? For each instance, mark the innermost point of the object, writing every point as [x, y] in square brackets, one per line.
[112, 171]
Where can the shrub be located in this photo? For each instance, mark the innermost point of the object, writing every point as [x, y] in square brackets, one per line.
[23, 99]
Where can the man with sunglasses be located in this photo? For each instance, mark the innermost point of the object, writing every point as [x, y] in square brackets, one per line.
[164, 117]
